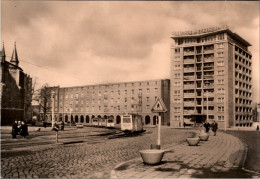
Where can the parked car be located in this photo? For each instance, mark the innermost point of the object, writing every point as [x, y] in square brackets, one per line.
[79, 125]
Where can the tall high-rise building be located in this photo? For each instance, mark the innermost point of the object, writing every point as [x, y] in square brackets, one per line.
[211, 78]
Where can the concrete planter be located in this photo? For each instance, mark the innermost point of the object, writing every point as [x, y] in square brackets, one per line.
[204, 136]
[152, 156]
[193, 141]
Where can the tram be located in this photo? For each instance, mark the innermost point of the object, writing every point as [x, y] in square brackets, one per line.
[110, 121]
[95, 122]
[131, 123]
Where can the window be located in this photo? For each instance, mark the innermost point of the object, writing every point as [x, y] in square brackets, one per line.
[221, 118]
[133, 91]
[221, 72]
[118, 100]
[221, 81]
[125, 92]
[118, 92]
[177, 109]
[99, 93]
[155, 90]
[87, 108]
[221, 45]
[220, 54]
[177, 100]
[221, 90]
[221, 100]
[147, 90]
[177, 75]
[177, 59]
[125, 107]
[147, 99]
[132, 99]
[177, 118]
[177, 92]
[177, 50]
[118, 108]
[177, 83]
[220, 63]
[221, 109]
[125, 100]
[177, 67]
[147, 107]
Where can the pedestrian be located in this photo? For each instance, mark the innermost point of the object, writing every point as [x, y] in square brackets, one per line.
[62, 126]
[206, 126]
[14, 129]
[214, 126]
[24, 130]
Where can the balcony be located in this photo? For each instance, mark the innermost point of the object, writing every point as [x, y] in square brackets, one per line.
[188, 78]
[208, 68]
[188, 52]
[189, 86]
[211, 59]
[208, 50]
[189, 69]
[189, 112]
[189, 95]
[208, 86]
[188, 61]
[189, 103]
[208, 77]
[210, 103]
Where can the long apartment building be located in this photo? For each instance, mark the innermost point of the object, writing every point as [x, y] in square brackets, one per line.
[82, 103]
[211, 78]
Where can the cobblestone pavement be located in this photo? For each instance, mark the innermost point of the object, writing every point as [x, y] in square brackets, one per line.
[79, 160]
[220, 156]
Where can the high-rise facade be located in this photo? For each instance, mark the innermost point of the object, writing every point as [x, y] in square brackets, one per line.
[82, 103]
[211, 78]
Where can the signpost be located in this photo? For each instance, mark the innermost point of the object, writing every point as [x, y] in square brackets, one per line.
[159, 107]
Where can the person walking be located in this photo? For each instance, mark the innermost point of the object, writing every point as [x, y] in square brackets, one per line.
[14, 129]
[206, 126]
[214, 126]
[24, 130]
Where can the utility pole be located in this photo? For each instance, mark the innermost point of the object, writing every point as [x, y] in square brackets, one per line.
[52, 115]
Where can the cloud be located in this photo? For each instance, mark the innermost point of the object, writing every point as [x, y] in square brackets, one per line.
[95, 42]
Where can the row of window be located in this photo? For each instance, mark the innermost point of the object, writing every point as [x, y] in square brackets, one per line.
[206, 39]
[105, 93]
[242, 52]
[108, 86]
[220, 118]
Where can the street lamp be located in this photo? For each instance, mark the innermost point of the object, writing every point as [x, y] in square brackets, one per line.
[207, 83]
[52, 96]
[70, 114]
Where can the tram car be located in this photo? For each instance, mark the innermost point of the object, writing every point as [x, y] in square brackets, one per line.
[131, 123]
[110, 122]
[102, 122]
[95, 122]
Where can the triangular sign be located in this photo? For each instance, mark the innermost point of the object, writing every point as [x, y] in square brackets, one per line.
[159, 106]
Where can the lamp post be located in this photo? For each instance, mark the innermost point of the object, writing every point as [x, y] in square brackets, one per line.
[52, 97]
[70, 114]
[207, 83]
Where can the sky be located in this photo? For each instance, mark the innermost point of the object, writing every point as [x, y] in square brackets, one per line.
[73, 43]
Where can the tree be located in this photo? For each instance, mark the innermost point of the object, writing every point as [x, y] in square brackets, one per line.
[29, 97]
[44, 96]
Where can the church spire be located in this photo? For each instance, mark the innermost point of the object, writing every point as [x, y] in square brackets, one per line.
[14, 58]
[3, 53]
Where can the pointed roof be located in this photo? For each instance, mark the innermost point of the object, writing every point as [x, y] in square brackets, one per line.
[3, 53]
[14, 58]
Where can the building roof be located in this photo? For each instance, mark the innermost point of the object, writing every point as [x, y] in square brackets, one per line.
[14, 58]
[210, 31]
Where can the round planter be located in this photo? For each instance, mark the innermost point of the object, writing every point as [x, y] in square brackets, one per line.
[193, 141]
[152, 156]
[204, 136]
